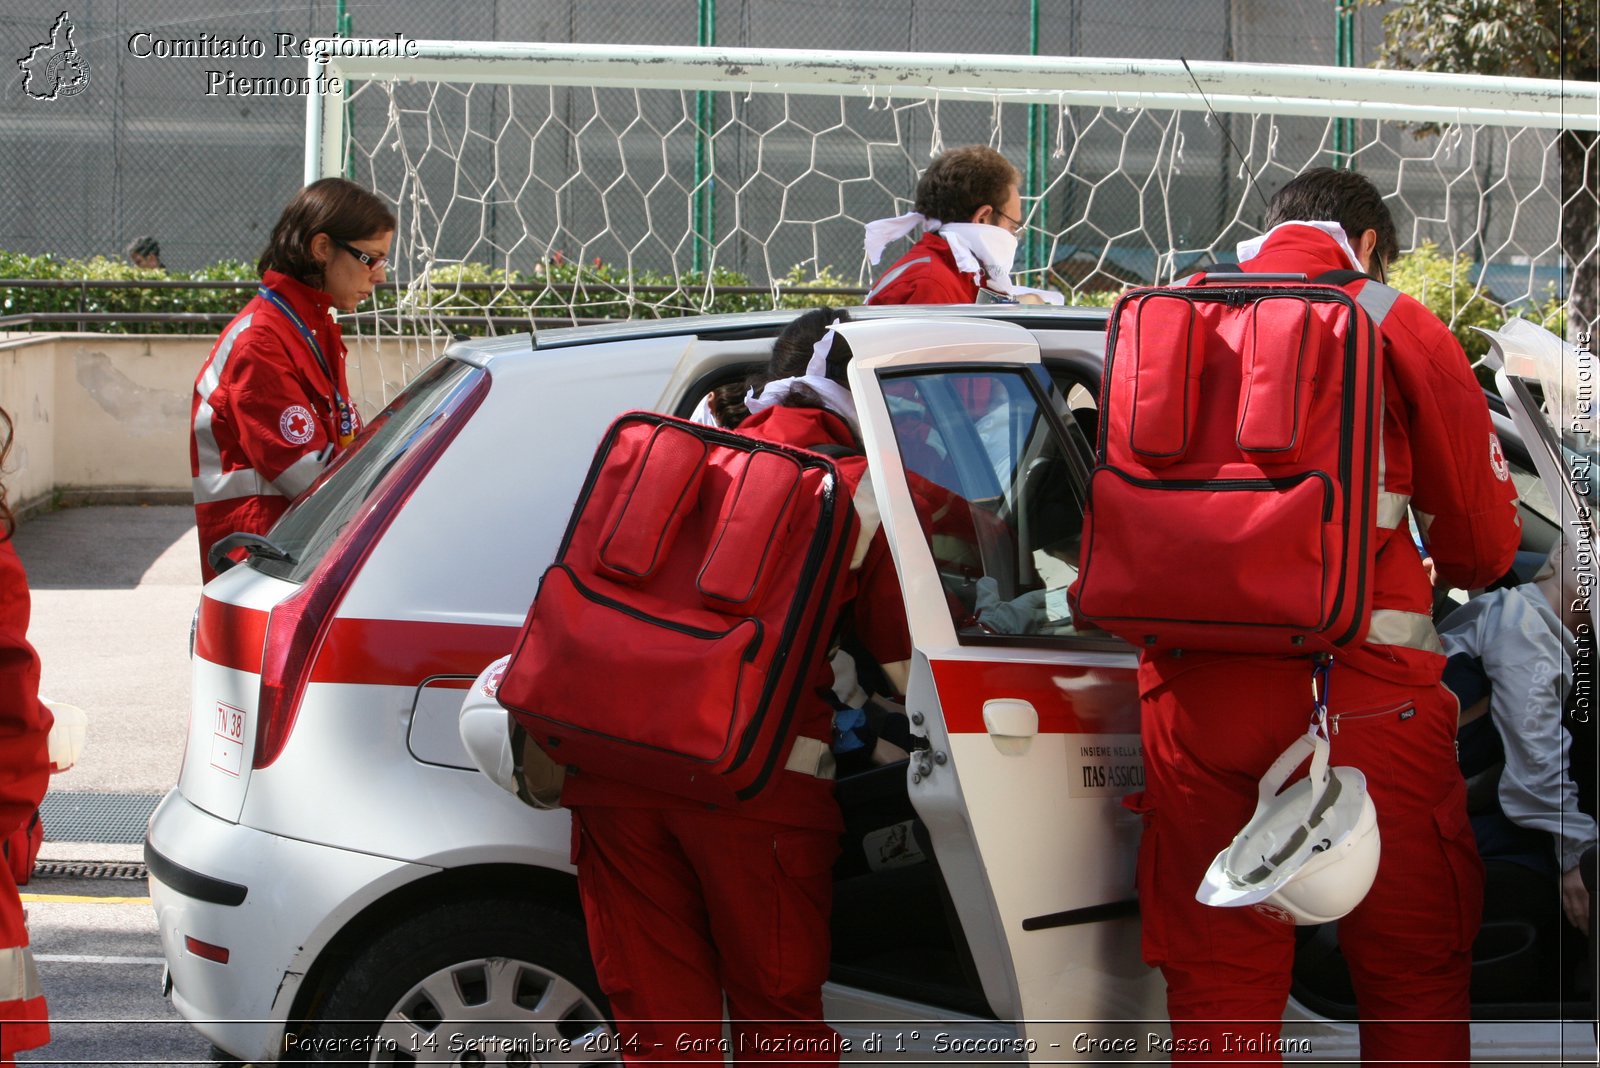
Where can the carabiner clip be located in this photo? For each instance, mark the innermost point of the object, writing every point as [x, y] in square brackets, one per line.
[1319, 692]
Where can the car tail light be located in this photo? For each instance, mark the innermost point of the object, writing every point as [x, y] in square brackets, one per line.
[297, 626]
[205, 950]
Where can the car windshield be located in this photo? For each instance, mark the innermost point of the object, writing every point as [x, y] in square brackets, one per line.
[314, 521]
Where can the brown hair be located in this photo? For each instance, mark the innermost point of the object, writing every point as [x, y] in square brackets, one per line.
[332, 206]
[963, 180]
[1323, 194]
[8, 521]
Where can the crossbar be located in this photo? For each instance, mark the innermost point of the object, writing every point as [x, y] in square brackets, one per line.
[1248, 88]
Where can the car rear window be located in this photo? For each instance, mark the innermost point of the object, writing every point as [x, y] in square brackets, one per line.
[314, 522]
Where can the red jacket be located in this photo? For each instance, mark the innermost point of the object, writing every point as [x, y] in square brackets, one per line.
[926, 274]
[266, 417]
[24, 774]
[1440, 456]
[871, 599]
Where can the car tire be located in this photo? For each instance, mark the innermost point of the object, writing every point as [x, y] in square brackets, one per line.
[505, 979]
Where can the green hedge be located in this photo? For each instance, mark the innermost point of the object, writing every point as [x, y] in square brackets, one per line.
[602, 291]
[589, 291]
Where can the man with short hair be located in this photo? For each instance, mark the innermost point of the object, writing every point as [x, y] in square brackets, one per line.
[969, 203]
[1212, 723]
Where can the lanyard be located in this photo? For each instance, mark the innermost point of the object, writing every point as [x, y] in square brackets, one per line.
[346, 411]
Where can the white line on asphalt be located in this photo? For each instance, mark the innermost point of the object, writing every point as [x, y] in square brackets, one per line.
[83, 958]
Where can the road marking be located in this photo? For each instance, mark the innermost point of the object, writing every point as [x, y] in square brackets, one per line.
[81, 958]
[75, 899]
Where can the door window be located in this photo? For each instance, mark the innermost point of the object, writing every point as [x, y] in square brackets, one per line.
[996, 465]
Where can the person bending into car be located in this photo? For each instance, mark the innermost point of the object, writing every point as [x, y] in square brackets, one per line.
[1213, 722]
[1510, 667]
[687, 903]
[272, 404]
[24, 774]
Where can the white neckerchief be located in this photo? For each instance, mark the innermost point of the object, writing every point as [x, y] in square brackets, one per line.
[702, 413]
[1250, 249]
[981, 249]
[882, 231]
[834, 397]
[978, 249]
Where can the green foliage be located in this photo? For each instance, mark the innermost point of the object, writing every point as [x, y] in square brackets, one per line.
[1093, 298]
[826, 289]
[1446, 285]
[562, 289]
[1518, 38]
[16, 300]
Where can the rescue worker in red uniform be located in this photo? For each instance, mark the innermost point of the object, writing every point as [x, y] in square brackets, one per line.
[24, 774]
[687, 903]
[272, 404]
[1212, 722]
[969, 198]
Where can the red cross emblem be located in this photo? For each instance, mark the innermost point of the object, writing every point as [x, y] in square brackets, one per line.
[296, 425]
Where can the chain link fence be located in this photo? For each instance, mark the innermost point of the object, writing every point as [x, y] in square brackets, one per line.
[162, 141]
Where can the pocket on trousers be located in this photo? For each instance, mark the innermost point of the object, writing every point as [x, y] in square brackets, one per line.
[803, 897]
[612, 979]
[1153, 929]
[1461, 860]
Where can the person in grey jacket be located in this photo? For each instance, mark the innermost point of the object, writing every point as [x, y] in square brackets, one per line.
[1512, 640]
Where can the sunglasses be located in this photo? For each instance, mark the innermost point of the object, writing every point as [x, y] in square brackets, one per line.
[1014, 225]
[368, 260]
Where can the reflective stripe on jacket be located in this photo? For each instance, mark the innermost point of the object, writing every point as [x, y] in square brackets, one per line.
[264, 417]
[926, 274]
[24, 733]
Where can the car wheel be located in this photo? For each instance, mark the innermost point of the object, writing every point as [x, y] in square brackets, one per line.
[485, 982]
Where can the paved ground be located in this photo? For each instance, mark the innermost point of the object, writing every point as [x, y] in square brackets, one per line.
[114, 593]
[114, 590]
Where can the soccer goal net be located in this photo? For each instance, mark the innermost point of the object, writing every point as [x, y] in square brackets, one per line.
[567, 182]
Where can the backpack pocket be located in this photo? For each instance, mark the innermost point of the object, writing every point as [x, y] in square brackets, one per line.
[1265, 535]
[672, 685]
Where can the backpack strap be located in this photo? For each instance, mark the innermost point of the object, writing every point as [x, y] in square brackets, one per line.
[1375, 298]
[833, 450]
[1200, 276]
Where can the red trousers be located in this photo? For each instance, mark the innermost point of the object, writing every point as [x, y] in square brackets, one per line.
[686, 905]
[1209, 734]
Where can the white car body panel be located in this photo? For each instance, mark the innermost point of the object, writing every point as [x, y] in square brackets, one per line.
[272, 937]
[374, 791]
[1013, 867]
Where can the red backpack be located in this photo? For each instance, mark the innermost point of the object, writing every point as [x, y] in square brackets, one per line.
[672, 640]
[1233, 502]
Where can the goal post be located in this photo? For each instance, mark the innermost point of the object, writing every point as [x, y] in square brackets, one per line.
[589, 181]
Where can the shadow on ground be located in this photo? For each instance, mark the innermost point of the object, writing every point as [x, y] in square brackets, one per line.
[109, 548]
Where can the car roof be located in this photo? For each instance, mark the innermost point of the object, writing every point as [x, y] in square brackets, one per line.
[732, 326]
[761, 324]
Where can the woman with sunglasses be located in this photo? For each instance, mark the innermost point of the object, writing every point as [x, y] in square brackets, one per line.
[271, 404]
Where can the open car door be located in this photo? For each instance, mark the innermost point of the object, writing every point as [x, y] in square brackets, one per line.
[1558, 437]
[1030, 728]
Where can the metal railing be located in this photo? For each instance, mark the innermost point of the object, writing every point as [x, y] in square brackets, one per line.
[386, 319]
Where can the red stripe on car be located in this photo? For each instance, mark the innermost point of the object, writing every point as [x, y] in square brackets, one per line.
[229, 635]
[1069, 699]
[397, 652]
[374, 652]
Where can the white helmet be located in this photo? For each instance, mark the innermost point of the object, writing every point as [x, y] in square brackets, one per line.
[501, 749]
[1312, 850]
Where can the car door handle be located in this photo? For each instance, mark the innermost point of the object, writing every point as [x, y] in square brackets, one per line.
[1011, 723]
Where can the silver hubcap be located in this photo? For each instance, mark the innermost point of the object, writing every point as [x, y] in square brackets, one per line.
[493, 1011]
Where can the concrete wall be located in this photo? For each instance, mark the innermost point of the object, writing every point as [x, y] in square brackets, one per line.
[105, 417]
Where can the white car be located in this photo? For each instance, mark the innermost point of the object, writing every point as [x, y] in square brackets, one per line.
[334, 879]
